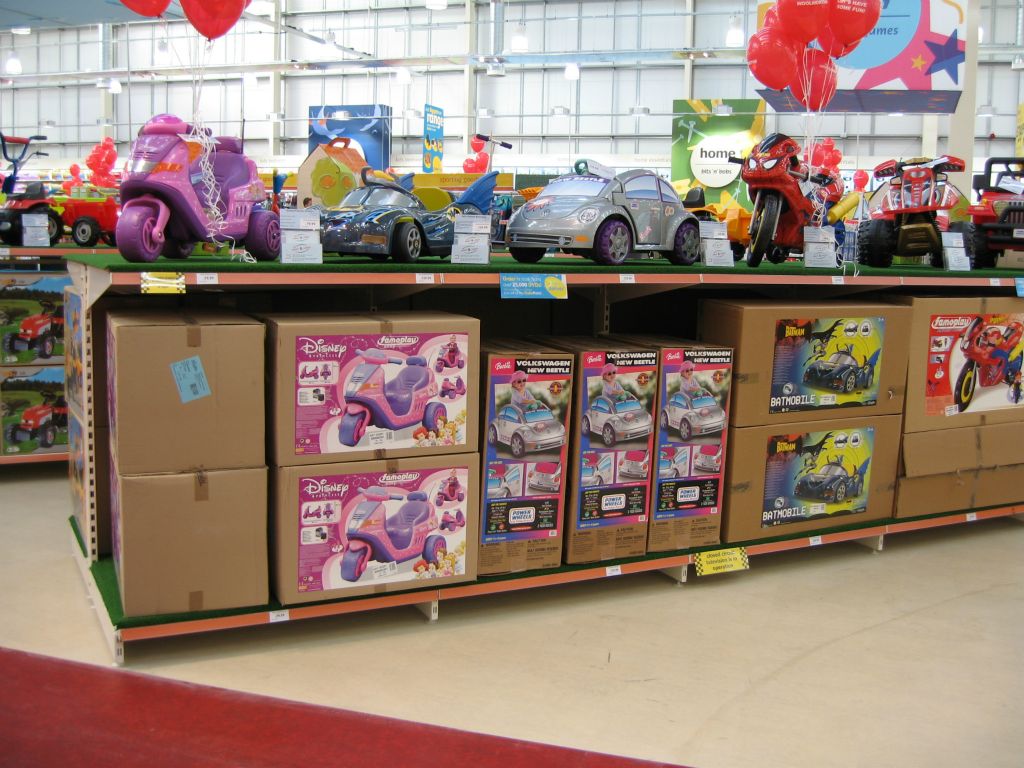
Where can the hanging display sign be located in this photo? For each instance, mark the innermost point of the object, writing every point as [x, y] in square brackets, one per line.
[433, 138]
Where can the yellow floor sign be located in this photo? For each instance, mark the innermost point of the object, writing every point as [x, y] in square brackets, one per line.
[721, 561]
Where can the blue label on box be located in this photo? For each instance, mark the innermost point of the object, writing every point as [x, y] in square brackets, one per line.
[1018, 283]
[190, 378]
[533, 286]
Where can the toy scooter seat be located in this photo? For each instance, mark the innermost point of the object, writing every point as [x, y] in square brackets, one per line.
[231, 172]
[229, 144]
[399, 390]
[403, 524]
[417, 496]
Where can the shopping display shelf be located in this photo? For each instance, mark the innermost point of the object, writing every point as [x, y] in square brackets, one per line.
[34, 458]
[101, 583]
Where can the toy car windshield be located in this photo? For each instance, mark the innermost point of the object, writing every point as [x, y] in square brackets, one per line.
[704, 401]
[622, 406]
[538, 414]
[574, 186]
[831, 470]
[841, 357]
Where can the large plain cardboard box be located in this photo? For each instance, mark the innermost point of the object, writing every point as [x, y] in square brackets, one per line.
[785, 480]
[528, 419]
[190, 541]
[964, 357]
[611, 465]
[796, 361]
[185, 390]
[375, 385]
[370, 527]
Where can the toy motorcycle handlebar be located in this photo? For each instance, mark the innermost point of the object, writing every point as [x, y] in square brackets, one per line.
[378, 357]
[23, 142]
[498, 142]
[379, 494]
[736, 160]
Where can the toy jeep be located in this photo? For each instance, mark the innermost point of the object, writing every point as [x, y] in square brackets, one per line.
[998, 215]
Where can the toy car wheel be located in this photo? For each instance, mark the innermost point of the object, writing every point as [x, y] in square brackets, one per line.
[984, 257]
[263, 239]
[46, 346]
[876, 242]
[432, 416]
[505, 493]
[777, 255]
[663, 421]
[685, 429]
[966, 228]
[353, 562]
[965, 384]
[686, 249]
[612, 242]
[174, 249]
[434, 549]
[608, 435]
[850, 382]
[85, 232]
[840, 492]
[762, 228]
[408, 243]
[585, 424]
[518, 446]
[492, 435]
[54, 225]
[135, 231]
[353, 425]
[47, 436]
[527, 255]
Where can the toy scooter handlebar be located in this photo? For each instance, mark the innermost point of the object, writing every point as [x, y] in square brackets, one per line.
[377, 357]
[376, 493]
[736, 160]
[498, 142]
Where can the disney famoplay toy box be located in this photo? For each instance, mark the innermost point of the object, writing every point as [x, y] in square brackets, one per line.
[527, 407]
[33, 410]
[616, 393]
[809, 476]
[798, 361]
[32, 318]
[367, 527]
[693, 408]
[350, 387]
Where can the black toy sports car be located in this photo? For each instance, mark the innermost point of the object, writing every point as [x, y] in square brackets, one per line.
[832, 483]
[841, 372]
[382, 219]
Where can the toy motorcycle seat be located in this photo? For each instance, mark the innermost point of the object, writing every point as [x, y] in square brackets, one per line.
[417, 496]
[231, 172]
[403, 524]
[400, 389]
[229, 144]
[416, 360]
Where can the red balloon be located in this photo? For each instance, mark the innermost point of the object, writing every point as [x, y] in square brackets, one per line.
[476, 163]
[476, 144]
[815, 83]
[802, 20]
[213, 18]
[833, 47]
[816, 155]
[860, 180]
[833, 158]
[771, 17]
[771, 58]
[851, 20]
[147, 7]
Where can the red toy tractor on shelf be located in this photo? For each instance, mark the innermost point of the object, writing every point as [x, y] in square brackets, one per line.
[25, 198]
[998, 215]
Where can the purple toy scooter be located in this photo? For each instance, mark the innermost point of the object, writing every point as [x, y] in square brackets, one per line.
[370, 400]
[163, 200]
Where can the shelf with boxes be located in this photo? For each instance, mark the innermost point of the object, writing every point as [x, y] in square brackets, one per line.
[374, 421]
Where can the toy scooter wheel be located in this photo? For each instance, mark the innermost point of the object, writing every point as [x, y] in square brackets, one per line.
[175, 249]
[54, 226]
[135, 234]
[518, 446]
[432, 416]
[408, 243]
[965, 385]
[46, 346]
[527, 255]
[353, 562]
[47, 436]
[686, 249]
[85, 232]
[434, 549]
[353, 425]
[263, 240]
[612, 242]
[766, 218]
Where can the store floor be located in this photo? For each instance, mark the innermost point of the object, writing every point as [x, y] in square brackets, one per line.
[833, 656]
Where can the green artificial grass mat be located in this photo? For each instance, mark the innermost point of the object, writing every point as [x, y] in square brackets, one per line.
[106, 579]
[113, 262]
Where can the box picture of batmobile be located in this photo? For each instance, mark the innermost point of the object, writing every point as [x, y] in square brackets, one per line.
[832, 483]
[840, 371]
[545, 476]
[526, 429]
[605, 217]
[693, 413]
[383, 219]
[616, 418]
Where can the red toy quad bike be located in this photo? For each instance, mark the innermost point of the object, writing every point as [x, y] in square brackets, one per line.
[38, 332]
[40, 422]
[904, 212]
[91, 215]
[999, 214]
[990, 350]
[25, 198]
[786, 197]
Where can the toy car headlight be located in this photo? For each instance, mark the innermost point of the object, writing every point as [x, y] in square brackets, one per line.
[587, 215]
[769, 164]
[751, 163]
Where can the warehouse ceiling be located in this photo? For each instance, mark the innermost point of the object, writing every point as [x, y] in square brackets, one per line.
[41, 14]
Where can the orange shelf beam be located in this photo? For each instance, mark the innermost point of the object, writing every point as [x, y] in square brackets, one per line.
[33, 458]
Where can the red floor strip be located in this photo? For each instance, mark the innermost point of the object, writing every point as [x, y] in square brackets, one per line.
[55, 712]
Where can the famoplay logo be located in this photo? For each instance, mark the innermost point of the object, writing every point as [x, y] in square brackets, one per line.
[521, 515]
[397, 341]
[399, 477]
[310, 346]
[595, 358]
[950, 322]
[318, 486]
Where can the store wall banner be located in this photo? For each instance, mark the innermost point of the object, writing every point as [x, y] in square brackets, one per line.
[1020, 130]
[368, 126]
[433, 138]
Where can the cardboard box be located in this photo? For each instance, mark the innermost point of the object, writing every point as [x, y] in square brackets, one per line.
[33, 410]
[693, 412]
[359, 528]
[784, 480]
[89, 479]
[32, 318]
[527, 410]
[610, 481]
[1010, 259]
[192, 541]
[801, 360]
[185, 390]
[417, 397]
[965, 357]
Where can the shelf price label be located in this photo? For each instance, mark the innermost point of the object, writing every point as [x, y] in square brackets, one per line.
[721, 561]
[613, 570]
[529, 285]
[162, 282]
[277, 616]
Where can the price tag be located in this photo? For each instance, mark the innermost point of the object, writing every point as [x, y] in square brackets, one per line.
[425, 278]
[955, 259]
[277, 616]
[995, 282]
[713, 230]
[953, 239]
[35, 237]
[819, 235]
[815, 541]
[472, 224]
[471, 248]
[5, 251]
[819, 255]
[300, 218]
[972, 516]
[627, 278]
[1018, 234]
[301, 246]
[717, 253]
[207, 278]
[838, 280]
[613, 570]
[721, 561]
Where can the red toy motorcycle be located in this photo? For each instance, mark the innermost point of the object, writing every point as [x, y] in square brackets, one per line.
[904, 212]
[777, 180]
[990, 350]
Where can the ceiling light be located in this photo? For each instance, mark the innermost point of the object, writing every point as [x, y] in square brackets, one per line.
[21, 30]
[722, 110]
[520, 42]
[690, 56]
[483, 113]
[706, 54]
[639, 111]
[13, 65]
[734, 35]
[986, 110]
[114, 86]
[436, 5]
[572, 71]
[403, 76]
[340, 114]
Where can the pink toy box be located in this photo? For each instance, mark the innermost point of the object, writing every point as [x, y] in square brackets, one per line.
[342, 530]
[351, 387]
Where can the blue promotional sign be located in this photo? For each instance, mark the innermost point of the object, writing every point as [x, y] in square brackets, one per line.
[533, 286]
[433, 138]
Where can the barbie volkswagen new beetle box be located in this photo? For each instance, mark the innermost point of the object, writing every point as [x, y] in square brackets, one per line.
[366, 527]
[527, 405]
[352, 387]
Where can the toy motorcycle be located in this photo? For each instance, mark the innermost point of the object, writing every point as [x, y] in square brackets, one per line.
[40, 422]
[784, 204]
[992, 352]
[27, 198]
[453, 522]
[449, 357]
[451, 490]
[904, 212]
[372, 535]
[370, 400]
[38, 332]
[453, 389]
[164, 202]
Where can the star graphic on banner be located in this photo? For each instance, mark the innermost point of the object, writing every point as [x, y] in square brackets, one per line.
[947, 56]
[917, 62]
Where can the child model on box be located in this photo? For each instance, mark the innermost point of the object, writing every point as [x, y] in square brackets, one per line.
[610, 386]
[521, 395]
[687, 381]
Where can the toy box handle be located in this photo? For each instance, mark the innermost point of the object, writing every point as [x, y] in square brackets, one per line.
[342, 141]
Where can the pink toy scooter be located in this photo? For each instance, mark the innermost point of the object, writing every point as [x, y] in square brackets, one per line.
[372, 535]
[450, 491]
[450, 356]
[370, 400]
[452, 522]
[453, 389]
[164, 202]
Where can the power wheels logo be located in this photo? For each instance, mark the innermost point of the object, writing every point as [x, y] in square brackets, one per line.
[321, 347]
[397, 341]
[951, 322]
[320, 486]
[709, 160]
[521, 515]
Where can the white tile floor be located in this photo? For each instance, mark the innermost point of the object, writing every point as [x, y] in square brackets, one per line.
[834, 656]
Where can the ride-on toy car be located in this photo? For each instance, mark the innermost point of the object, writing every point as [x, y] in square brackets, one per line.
[38, 332]
[396, 403]
[408, 533]
[616, 418]
[91, 215]
[998, 216]
[991, 352]
[840, 371]
[904, 212]
[165, 201]
[832, 483]
[22, 198]
[40, 422]
[527, 428]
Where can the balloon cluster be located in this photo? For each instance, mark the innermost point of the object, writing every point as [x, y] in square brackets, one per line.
[824, 155]
[101, 162]
[75, 180]
[779, 54]
[211, 18]
[476, 163]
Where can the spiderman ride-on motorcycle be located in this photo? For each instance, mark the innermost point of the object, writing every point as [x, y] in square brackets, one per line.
[991, 353]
